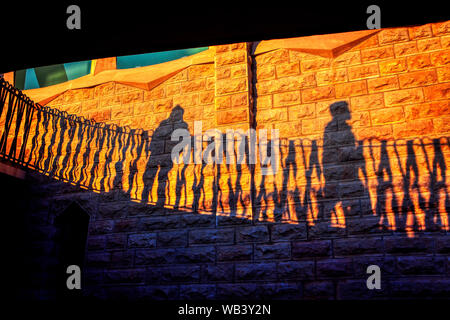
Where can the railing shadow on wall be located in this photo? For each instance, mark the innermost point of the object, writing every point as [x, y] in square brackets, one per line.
[402, 182]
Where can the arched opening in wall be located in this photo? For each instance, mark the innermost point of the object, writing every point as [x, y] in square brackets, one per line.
[72, 229]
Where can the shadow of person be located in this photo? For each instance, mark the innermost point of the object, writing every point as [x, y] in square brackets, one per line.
[160, 162]
[342, 159]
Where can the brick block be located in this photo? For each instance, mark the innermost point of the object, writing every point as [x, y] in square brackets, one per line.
[265, 72]
[125, 276]
[197, 292]
[441, 28]
[207, 236]
[132, 97]
[223, 102]
[421, 265]
[403, 96]
[334, 268]
[357, 289]
[200, 71]
[301, 111]
[290, 270]
[310, 249]
[288, 232]
[154, 256]
[427, 110]
[328, 77]
[289, 129]
[252, 234]
[122, 258]
[406, 48]
[387, 115]
[274, 58]
[238, 71]
[323, 230]
[383, 84]
[320, 93]
[273, 115]
[365, 102]
[173, 274]
[287, 69]
[255, 271]
[403, 245]
[97, 242]
[234, 253]
[193, 86]
[379, 53]
[223, 72]
[100, 115]
[101, 227]
[230, 86]
[417, 79]
[221, 272]
[358, 246]
[315, 64]
[98, 259]
[419, 61]
[122, 111]
[363, 71]
[239, 100]
[273, 251]
[116, 241]
[440, 58]
[392, 66]
[419, 32]
[206, 97]
[445, 41]
[231, 58]
[443, 245]
[367, 225]
[144, 240]
[387, 264]
[441, 125]
[203, 254]
[425, 45]
[420, 288]
[156, 93]
[163, 105]
[347, 59]
[443, 74]
[437, 92]
[393, 35]
[285, 84]
[287, 98]
[354, 88]
[89, 105]
[112, 210]
[230, 291]
[413, 128]
[104, 89]
[142, 108]
[232, 116]
[319, 290]
[172, 239]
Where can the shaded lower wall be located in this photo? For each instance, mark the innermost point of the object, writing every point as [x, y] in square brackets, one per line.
[144, 252]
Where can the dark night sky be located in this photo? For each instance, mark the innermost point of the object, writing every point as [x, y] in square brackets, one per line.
[36, 34]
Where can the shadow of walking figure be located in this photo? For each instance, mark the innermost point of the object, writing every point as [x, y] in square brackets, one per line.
[341, 147]
[160, 162]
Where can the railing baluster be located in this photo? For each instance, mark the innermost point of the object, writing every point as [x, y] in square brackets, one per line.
[19, 116]
[27, 126]
[12, 105]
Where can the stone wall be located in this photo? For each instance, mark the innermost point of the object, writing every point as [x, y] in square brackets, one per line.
[362, 175]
